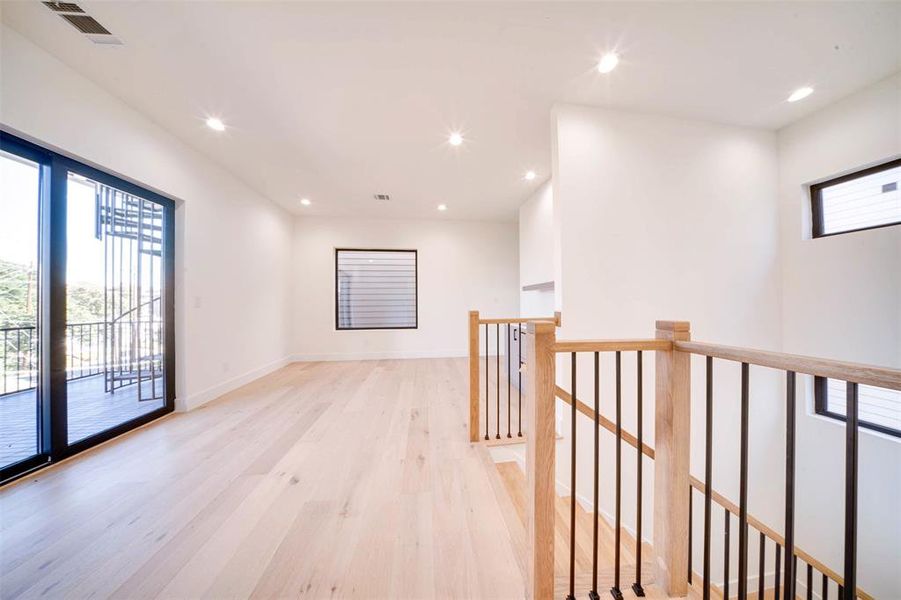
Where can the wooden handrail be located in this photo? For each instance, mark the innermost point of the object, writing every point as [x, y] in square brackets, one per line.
[611, 345]
[605, 422]
[884, 377]
[672, 416]
[522, 320]
[775, 536]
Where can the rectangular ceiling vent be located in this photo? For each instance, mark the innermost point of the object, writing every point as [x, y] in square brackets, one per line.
[381, 196]
[65, 7]
[83, 22]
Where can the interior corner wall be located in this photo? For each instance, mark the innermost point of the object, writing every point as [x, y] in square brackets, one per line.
[536, 252]
[233, 246]
[462, 266]
[662, 218]
[842, 300]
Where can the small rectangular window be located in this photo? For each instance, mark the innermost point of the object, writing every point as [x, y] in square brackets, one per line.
[877, 408]
[376, 289]
[862, 200]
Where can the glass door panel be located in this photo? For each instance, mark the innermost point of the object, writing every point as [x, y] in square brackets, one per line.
[20, 406]
[115, 367]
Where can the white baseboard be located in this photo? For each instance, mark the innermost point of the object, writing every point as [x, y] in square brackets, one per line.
[380, 355]
[200, 398]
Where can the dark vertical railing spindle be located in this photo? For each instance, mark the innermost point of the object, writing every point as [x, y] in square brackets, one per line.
[593, 594]
[850, 574]
[636, 587]
[708, 475]
[519, 375]
[726, 556]
[743, 491]
[497, 382]
[690, 527]
[509, 378]
[777, 582]
[790, 568]
[572, 483]
[615, 590]
[486, 381]
[762, 564]
[824, 594]
[809, 583]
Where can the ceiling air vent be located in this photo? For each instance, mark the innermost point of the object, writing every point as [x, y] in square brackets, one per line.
[83, 22]
[67, 7]
[381, 196]
[86, 24]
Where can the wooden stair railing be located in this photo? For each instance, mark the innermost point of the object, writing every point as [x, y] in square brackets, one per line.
[477, 377]
[672, 505]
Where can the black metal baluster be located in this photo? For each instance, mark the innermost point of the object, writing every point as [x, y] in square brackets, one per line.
[486, 382]
[743, 491]
[760, 574]
[708, 476]
[615, 591]
[636, 587]
[572, 483]
[519, 374]
[809, 584]
[778, 579]
[726, 557]
[497, 381]
[791, 574]
[778, 576]
[850, 574]
[593, 594]
[508, 380]
[841, 593]
[690, 527]
[824, 595]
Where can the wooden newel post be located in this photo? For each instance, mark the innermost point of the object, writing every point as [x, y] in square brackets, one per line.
[672, 430]
[540, 445]
[474, 376]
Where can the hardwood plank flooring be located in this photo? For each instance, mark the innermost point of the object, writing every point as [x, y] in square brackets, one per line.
[322, 480]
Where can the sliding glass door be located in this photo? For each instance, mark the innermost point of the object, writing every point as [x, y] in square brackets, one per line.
[86, 306]
[114, 312]
[20, 406]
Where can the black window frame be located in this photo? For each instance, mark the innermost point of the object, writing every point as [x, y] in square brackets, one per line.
[415, 293]
[816, 198]
[52, 389]
[821, 407]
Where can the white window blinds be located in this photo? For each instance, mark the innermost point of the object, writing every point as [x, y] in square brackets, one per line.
[375, 289]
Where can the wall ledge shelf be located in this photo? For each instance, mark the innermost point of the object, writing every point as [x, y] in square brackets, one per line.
[544, 285]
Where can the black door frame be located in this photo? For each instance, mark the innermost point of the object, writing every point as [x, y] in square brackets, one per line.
[51, 390]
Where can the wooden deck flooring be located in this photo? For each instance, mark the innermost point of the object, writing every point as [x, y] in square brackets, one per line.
[91, 410]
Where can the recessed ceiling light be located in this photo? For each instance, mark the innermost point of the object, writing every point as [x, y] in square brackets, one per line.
[800, 94]
[305, 201]
[215, 124]
[442, 207]
[608, 62]
[455, 139]
[529, 176]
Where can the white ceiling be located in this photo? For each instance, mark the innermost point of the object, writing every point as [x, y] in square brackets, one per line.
[337, 101]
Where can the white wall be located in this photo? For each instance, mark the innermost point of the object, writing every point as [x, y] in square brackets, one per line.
[463, 266]
[233, 246]
[842, 299]
[662, 218]
[536, 251]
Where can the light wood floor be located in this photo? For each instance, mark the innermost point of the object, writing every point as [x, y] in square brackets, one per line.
[344, 480]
